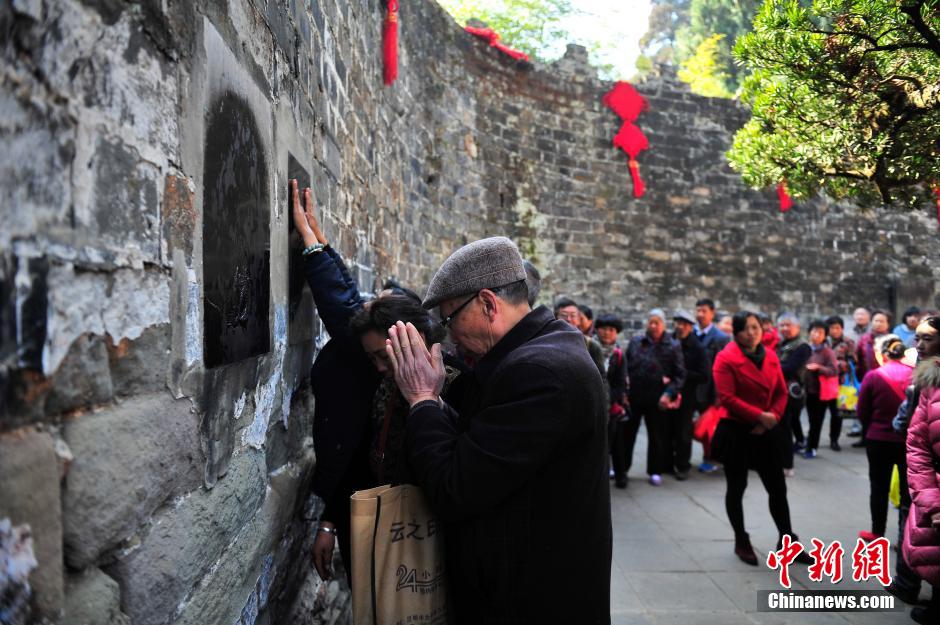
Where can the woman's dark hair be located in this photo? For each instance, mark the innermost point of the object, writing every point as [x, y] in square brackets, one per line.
[382, 313]
[819, 323]
[894, 348]
[397, 289]
[933, 321]
[834, 320]
[609, 321]
[913, 310]
[739, 320]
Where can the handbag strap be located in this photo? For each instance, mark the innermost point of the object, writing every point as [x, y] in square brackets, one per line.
[383, 436]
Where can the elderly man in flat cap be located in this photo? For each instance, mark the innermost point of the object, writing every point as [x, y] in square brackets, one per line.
[519, 469]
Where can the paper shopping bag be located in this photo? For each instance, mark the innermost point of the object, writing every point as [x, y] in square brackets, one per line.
[397, 558]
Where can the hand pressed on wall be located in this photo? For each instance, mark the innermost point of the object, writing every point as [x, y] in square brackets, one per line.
[304, 219]
[418, 372]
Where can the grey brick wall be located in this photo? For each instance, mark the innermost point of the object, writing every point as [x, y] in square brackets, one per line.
[182, 490]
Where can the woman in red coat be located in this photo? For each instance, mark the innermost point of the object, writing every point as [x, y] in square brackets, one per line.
[750, 387]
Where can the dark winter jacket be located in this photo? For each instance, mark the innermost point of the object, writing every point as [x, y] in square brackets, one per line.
[696, 365]
[793, 354]
[713, 341]
[343, 382]
[519, 474]
[648, 362]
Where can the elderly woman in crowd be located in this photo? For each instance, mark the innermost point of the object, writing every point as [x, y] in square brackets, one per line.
[921, 546]
[866, 355]
[751, 388]
[821, 364]
[881, 394]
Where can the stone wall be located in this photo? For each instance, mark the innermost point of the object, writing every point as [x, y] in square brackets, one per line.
[155, 339]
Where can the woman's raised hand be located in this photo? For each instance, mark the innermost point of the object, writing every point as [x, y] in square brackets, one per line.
[304, 219]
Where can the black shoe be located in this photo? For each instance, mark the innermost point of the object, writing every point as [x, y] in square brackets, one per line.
[802, 557]
[859, 443]
[907, 595]
[926, 616]
[744, 550]
[835, 446]
[620, 481]
[682, 475]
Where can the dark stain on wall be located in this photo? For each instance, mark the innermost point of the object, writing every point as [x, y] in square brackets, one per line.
[300, 301]
[236, 235]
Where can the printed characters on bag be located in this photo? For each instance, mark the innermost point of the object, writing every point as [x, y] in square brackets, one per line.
[426, 582]
[413, 529]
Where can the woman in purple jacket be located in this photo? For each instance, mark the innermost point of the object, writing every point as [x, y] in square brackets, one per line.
[881, 394]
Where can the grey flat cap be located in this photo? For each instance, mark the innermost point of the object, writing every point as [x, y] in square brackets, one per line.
[657, 312]
[683, 315]
[483, 264]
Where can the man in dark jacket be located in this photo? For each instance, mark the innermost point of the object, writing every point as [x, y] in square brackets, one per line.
[657, 374]
[679, 421]
[519, 470]
[793, 353]
[713, 340]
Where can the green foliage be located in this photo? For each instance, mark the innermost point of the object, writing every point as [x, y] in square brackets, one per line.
[667, 17]
[703, 72]
[845, 99]
[533, 26]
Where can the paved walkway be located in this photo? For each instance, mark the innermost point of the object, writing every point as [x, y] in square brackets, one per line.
[673, 546]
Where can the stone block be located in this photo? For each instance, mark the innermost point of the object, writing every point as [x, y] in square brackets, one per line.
[128, 461]
[140, 366]
[83, 378]
[235, 586]
[29, 494]
[190, 538]
[93, 598]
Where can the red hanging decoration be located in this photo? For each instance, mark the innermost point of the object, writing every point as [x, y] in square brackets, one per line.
[492, 37]
[390, 42]
[624, 100]
[786, 203]
[627, 103]
[936, 191]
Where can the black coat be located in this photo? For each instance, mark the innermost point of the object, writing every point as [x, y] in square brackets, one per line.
[714, 341]
[696, 365]
[343, 382]
[520, 479]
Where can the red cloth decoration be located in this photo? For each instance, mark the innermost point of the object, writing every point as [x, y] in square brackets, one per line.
[624, 100]
[936, 191]
[390, 42]
[785, 202]
[492, 37]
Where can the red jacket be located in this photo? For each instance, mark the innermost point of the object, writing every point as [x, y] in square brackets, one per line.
[745, 391]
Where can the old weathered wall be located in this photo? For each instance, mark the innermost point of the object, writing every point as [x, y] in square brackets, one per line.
[154, 339]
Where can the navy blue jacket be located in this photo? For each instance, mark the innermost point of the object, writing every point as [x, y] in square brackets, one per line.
[343, 382]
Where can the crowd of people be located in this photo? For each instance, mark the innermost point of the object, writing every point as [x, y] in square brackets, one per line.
[498, 409]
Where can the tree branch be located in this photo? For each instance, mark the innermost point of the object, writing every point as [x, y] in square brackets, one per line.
[917, 20]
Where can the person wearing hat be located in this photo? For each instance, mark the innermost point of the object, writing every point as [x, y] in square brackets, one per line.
[517, 471]
[608, 327]
[657, 374]
[679, 420]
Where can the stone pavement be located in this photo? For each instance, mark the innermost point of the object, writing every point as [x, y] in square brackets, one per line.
[673, 546]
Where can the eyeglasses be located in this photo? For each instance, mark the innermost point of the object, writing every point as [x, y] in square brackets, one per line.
[447, 321]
